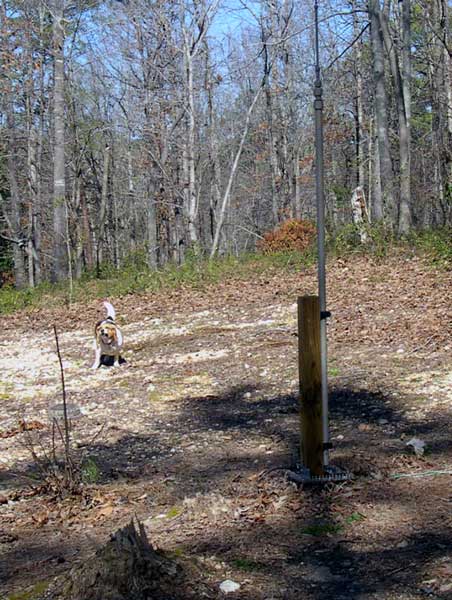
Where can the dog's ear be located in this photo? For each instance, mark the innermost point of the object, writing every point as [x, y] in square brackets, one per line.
[114, 334]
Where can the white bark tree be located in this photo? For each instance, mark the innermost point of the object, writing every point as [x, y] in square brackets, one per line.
[232, 173]
[195, 19]
[60, 257]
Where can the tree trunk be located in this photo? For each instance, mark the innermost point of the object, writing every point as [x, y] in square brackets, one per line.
[405, 115]
[441, 98]
[271, 138]
[88, 247]
[13, 212]
[60, 259]
[79, 234]
[401, 78]
[103, 208]
[32, 174]
[360, 171]
[298, 208]
[132, 211]
[190, 189]
[373, 174]
[227, 193]
[194, 34]
[14, 217]
[214, 160]
[152, 226]
[383, 190]
[447, 108]
[40, 261]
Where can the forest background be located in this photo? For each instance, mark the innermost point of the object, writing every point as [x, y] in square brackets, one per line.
[148, 131]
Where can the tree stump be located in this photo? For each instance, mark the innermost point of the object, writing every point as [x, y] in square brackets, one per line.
[127, 567]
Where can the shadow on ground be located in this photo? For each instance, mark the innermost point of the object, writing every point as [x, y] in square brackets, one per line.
[303, 554]
[246, 416]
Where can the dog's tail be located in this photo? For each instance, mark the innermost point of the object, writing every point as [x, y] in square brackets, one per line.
[111, 314]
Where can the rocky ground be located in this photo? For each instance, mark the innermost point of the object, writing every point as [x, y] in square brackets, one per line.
[195, 434]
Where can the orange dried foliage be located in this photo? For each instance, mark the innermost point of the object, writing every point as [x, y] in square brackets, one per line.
[21, 427]
[291, 235]
[6, 278]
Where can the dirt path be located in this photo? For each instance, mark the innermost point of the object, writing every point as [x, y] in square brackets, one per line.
[194, 434]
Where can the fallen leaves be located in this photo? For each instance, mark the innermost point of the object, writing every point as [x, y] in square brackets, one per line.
[206, 469]
[21, 428]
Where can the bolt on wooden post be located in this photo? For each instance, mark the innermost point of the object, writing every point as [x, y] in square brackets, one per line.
[309, 364]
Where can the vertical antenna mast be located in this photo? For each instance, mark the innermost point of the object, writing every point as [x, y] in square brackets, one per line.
[320, 197]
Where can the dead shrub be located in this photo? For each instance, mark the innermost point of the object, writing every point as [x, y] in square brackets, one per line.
[292, 235]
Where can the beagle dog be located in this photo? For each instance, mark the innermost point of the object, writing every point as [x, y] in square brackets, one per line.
[108, 340]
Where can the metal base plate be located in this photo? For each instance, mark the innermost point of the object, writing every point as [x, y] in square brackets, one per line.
[332, 475]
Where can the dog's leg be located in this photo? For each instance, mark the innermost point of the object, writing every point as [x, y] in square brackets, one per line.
[96, 362]
[116, 360]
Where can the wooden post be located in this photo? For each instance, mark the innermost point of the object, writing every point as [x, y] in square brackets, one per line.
[310, 384]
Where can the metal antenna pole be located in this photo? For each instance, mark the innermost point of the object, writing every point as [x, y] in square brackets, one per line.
[319, 181]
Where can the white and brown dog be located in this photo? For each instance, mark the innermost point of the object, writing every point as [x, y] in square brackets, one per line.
[108, 340]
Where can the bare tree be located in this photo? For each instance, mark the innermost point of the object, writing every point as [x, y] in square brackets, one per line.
[13, 211]
[401, 75]
[195, 21]
[440, 67]
[60, 258]
[210, 131]
[232, 173]
[383, 193]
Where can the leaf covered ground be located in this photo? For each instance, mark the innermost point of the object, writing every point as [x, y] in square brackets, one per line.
[194, 436]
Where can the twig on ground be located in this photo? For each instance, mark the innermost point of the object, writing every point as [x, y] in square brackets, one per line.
[422, 345]
[97, 433]
[402, 568]
[267, 471]
[351, 375]
[66, 421]
[422, 474]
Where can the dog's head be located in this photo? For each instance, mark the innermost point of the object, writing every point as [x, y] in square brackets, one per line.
[106, 332]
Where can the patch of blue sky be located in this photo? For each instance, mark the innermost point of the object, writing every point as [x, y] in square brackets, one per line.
[234, 16]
